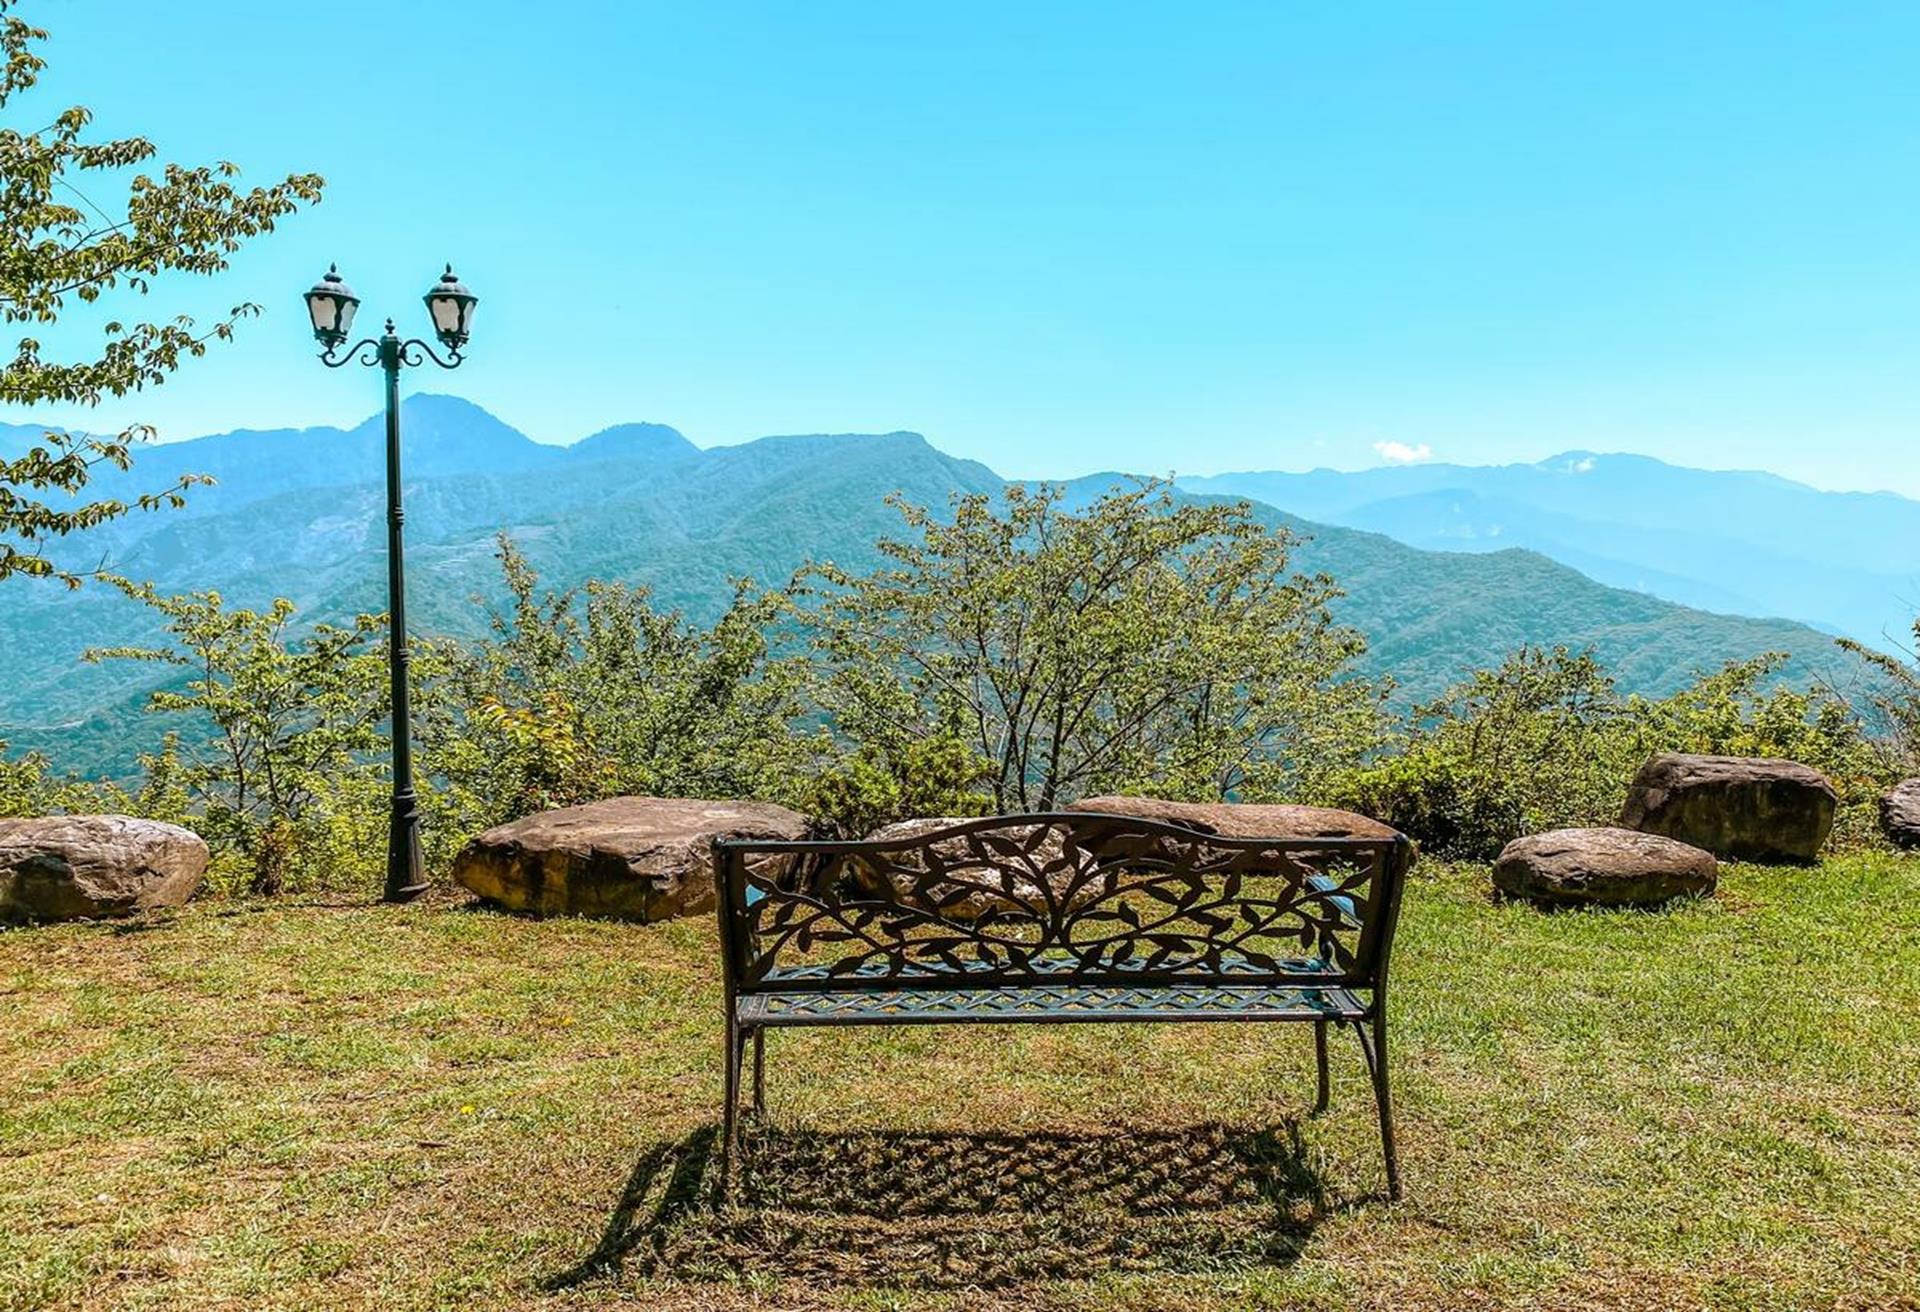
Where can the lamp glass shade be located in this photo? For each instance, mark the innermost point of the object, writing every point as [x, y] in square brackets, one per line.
[330, 304]
[450, 305]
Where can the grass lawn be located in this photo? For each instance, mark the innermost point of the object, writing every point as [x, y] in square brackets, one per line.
[321, 1105]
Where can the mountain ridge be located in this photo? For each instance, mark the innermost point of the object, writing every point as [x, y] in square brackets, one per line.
[647, 509]
[1706, 538]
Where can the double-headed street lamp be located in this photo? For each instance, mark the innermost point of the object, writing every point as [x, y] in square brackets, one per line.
[331, 304]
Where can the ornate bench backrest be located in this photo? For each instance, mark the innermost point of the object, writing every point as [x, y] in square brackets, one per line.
[1029, 899]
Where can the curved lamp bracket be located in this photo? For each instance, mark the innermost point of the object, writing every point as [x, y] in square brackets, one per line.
[417, 351]
[369, 351]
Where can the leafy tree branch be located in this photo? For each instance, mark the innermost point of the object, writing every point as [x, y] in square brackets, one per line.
[187, 220]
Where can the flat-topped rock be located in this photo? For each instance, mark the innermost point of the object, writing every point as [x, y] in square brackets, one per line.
[1900, 813]
[1603, 867]
[1246, 819]
[74, 867]
[1740, 808]
[627, 858]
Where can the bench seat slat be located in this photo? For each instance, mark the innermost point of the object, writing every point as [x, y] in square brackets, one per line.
[1051, 1002]
[1292, 972]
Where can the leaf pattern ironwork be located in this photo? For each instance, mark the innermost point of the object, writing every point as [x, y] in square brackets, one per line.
[1023, 901]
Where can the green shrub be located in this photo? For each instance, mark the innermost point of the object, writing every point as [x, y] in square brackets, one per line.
[1542, 741]
[1545, 741]
[29, 786]
[1436, 799]
[1727, 713]
[593, 693]
[1892, 694]
[874, 784]
[290, 714]
[1016, 658]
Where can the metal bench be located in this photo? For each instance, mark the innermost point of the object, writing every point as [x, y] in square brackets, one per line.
[1059, 917]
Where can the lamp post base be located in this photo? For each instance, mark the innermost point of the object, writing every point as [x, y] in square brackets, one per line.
[406, 875]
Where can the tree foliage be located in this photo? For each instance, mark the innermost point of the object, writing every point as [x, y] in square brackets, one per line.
[1895, 698]
[29, 786]
[1031, 656]
[57, 245]
[1545, 740]
[1015, 657]
[582, 694]
[292, 716]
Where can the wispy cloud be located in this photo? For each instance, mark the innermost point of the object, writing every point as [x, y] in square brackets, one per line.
[1399, 453]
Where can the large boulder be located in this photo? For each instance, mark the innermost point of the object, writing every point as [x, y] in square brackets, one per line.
[72, 867]
[628, 858]
[1900, 813]
[1740, 808]
[1602, 867]
[1246, 820]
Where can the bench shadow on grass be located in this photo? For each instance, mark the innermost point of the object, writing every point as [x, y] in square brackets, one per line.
[957, 1210]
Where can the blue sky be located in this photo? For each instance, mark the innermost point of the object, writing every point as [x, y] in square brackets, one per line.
[1068, 237]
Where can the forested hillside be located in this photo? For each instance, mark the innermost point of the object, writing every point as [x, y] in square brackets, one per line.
[300, 514]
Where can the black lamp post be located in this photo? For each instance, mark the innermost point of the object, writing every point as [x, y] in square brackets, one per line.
[331, 304]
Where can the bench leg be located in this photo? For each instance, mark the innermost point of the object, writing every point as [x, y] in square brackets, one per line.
[730, 1113]
[1373, 1046]
[759, 1072]
[1323, 1092]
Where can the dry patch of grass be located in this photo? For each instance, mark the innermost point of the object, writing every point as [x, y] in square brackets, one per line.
[323, 1106]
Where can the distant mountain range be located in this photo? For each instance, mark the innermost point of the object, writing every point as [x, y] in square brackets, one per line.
[299, 513]
[1748, 543]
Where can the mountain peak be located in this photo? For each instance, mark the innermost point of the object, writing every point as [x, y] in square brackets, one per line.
[445, 411]
[815, 445]
[1580, 462]
[443, 403]
[642, 441]
[449, 434]
[897, 435]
